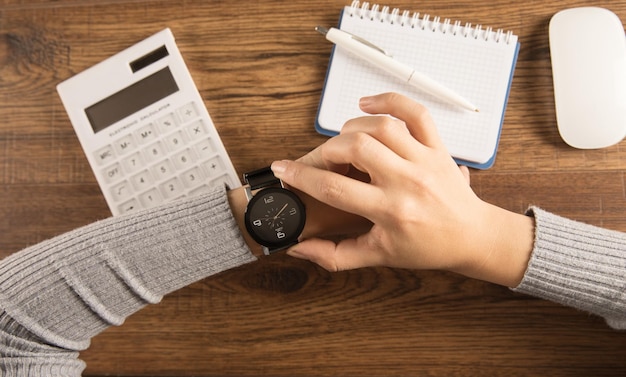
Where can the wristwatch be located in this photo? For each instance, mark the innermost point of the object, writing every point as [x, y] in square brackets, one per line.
[275, 216]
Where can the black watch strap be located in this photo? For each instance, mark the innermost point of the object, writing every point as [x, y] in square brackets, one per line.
[261, 178]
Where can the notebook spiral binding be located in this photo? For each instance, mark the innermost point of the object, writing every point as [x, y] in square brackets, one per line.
[405, 18]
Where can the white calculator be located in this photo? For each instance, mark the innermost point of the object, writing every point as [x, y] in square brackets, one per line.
[144, 128]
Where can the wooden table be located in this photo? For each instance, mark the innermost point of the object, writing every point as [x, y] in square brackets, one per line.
[260, 67]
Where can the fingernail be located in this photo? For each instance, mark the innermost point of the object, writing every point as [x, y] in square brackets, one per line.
[279, 167]
[365, 101]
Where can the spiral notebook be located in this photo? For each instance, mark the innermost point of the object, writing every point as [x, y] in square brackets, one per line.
[474, 61]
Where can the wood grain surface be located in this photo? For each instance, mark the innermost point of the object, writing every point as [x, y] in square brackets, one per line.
[260, 67]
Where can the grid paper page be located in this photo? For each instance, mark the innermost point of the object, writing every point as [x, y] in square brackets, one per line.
[479, 69]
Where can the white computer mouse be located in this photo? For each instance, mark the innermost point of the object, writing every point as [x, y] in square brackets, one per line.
[588, 53]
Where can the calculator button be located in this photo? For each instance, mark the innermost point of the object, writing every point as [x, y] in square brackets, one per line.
[105, 155]
[183, 160]
[129, 206]
[222, 180]
[155, 152]
[124, 145]
[142, 181]
[146, 134]
[167, 123]
[121, 191]
[214, 166]
[196, 130]
[175, 141]
[172, 188]
[200, 190]
[151, 198]
[133, 162]
[170, 156]
[192, 178]
[163, 169]
[205, 149]
[112, 173]
[188, 112]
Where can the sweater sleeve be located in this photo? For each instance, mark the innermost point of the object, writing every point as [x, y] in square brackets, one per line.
[578, 265]
[56, 295]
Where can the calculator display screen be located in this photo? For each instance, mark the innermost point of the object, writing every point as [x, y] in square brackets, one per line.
[131, 99]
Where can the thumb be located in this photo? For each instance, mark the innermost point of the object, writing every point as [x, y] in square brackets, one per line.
[334, 257]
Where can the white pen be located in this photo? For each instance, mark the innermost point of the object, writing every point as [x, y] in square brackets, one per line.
[378, 57]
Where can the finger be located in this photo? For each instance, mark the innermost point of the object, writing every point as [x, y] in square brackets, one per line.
[328, 187]
[391, 132]
[364, 152]
[416, 116]
[314, 158]
[466, 173]
[334, 257]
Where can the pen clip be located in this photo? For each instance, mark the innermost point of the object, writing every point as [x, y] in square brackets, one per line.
[368, 43]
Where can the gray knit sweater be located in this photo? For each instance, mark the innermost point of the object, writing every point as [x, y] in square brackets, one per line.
[578, 265]
[57, 295]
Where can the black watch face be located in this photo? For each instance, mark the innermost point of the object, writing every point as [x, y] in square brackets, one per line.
[275, 217]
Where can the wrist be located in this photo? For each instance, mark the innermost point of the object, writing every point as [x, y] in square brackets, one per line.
[238, 203]
[501, 253]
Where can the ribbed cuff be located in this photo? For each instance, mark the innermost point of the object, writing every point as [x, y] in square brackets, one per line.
[28, 367]
[72, 287]
[578, 265]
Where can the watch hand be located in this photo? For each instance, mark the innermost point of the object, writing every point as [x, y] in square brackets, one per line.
[281, 211]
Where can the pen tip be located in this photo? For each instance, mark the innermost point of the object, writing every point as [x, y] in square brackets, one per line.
[321, 30]
[476, 110]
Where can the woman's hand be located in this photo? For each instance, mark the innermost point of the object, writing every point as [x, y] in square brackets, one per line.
[396, 173]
